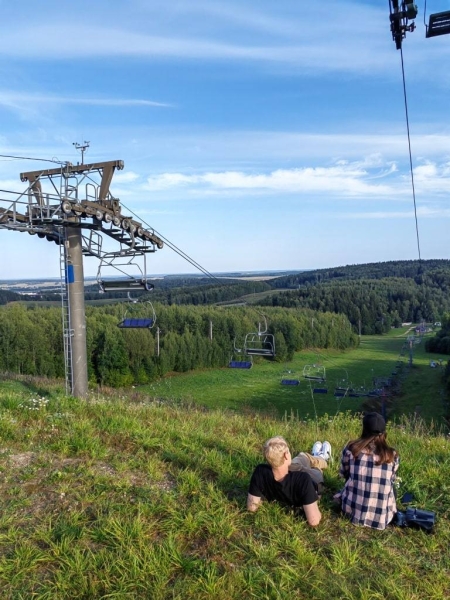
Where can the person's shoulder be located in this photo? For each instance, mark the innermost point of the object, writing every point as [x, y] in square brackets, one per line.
[263, 469]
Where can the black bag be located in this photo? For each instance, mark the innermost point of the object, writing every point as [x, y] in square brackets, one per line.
[416, 517]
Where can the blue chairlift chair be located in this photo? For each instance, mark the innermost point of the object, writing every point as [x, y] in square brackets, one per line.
[289, 378]
[320, 390]
[239, 359]
[240, 364]
[141, 322]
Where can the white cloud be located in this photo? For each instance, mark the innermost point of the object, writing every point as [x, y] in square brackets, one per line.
[20, 100]
[308, 50]
[343, 179]
[370, 177]
[128, 177]
[242, 149]
[422, 212]
[10, 184]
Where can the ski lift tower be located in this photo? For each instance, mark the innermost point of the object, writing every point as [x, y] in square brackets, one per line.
[72, 206]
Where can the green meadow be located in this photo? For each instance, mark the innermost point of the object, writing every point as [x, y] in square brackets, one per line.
[259, 388]
[140, 494]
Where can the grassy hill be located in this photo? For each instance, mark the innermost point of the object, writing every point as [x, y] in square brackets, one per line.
[131, 496]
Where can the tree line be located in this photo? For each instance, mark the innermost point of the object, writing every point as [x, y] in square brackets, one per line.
[440, 343]
[408, 269]
[372, 306]
[186, 293]
[374, 296]
[31, 340]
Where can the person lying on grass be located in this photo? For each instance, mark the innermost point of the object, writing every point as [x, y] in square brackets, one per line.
[287, 480]
[369, 467]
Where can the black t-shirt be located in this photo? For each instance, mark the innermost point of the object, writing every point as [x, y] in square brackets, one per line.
[296, 489]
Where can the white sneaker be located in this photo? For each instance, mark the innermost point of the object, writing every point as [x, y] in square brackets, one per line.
[316, 449]
[326, 450]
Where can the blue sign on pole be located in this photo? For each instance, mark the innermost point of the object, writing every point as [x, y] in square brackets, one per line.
[70, 274]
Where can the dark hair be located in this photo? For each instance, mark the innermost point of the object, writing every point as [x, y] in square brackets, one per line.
[373, 423]
[373, 440]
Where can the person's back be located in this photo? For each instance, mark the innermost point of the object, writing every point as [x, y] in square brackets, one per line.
[369, 467]
[274, 481]
[294, 489]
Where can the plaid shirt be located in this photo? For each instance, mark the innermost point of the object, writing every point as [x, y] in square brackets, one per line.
[368, 495]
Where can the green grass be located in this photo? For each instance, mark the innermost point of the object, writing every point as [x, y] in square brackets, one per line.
[128, 497]
[260, 387]
[141, 493]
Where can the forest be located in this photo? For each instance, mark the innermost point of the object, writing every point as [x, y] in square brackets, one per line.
[326, 308]
[374, 297]
[372, 306]
[31, 340]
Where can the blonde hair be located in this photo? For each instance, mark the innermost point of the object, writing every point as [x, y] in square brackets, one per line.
[274, 450]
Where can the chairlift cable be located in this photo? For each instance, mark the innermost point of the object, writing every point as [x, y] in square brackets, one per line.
[314, 406]
[179, 251]
[58, 162]
[410, 154]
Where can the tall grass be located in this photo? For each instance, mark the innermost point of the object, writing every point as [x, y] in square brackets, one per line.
[132, 497]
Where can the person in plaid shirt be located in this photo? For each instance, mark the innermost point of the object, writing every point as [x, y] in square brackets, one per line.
[369, 467]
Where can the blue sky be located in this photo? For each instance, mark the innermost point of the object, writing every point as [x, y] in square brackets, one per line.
[255, 135]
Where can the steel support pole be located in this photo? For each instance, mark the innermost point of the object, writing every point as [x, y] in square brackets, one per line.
[77, 317]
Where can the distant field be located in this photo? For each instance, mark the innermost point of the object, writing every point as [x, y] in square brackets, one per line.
[260, 387]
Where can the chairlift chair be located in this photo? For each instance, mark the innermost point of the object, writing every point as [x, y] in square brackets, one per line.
[146, 322]
[259, 344]
[123, 262]
[290, 382]
[240, 364]
[314, 372]
[238, 360]
[438, 24]
[320, 390]
[129, 284]
[359, 392]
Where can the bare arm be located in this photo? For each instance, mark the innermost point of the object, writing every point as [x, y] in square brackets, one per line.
[253, 503]
[312, 514]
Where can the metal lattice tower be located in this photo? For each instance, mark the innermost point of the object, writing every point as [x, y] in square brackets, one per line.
[72, 206]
